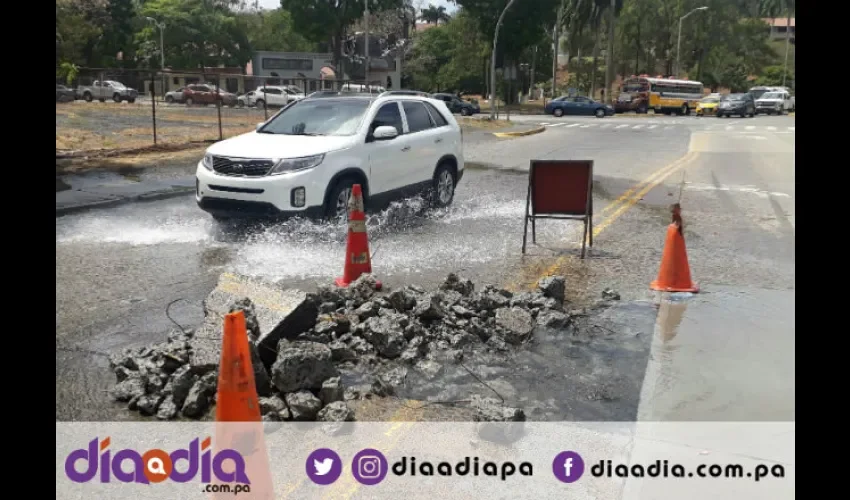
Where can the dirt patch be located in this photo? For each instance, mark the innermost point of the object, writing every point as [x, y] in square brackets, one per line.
[130, 163]
[482, 123]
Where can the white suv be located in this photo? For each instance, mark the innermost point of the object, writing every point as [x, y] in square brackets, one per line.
[304, 159]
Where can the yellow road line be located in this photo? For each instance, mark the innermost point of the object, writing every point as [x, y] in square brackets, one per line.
[643, 183]
[625, 202]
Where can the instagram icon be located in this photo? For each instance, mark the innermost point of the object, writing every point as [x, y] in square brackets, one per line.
[369, 466]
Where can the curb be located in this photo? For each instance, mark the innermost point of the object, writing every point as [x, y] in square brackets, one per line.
[154, 196]
[520, 134]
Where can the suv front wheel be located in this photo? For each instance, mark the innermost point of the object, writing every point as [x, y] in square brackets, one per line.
[336, 207]
[443, 189]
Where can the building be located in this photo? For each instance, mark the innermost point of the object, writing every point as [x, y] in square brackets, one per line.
[779, 27]
[304, 69]
[231, 80]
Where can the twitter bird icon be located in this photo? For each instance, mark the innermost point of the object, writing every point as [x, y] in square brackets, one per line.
[323, 466]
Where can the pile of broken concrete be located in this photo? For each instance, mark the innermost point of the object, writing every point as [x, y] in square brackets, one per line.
[300, 341]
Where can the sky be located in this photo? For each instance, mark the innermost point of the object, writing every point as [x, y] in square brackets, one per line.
[273, 4]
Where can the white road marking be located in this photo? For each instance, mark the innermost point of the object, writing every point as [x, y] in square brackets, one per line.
[544, 123]
[621, 126]
[729, 127]
[750, 127]
[606, 125]
[638, 126]
[736, 189]
[668, 127]
[771, 128]
[557, 124]
[585, 126]
[651, 126]
[573, 125]
[791, 129]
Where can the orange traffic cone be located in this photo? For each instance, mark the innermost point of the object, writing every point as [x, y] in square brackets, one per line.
[675, 274]
[239, 424]
[357, 258]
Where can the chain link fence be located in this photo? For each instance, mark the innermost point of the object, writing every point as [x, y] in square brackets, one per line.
[115, 109]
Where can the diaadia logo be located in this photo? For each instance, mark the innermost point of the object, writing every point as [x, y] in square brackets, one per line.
[155, 466]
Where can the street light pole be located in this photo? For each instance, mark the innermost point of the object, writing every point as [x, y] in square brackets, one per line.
[679, 40]
[366, 42]
[493, 99]
[161, 27]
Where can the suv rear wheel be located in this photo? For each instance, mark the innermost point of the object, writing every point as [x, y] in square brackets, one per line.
[443, 189]
[558, 112]
[464, 112]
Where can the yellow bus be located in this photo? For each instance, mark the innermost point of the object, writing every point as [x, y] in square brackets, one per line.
[663, 95]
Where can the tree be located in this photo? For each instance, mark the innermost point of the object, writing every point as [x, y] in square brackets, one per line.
[198, 33]
[328, 20]
[434, 15]
[274, 31]
[80, 30]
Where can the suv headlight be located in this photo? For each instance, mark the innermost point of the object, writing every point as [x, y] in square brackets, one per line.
[294, 164]
[208, 162]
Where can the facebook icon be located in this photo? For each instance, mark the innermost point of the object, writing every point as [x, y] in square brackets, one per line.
[568, 466]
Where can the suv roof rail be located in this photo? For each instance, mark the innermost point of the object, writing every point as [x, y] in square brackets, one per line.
[405, 92]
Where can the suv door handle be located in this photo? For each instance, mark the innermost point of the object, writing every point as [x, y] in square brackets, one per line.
[406, 148]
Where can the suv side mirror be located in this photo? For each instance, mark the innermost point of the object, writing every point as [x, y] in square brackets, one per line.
[385, 133]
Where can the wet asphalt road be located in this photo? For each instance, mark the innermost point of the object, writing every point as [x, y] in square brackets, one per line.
[118, 269]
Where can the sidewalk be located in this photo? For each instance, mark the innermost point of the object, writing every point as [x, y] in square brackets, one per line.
[75, 193]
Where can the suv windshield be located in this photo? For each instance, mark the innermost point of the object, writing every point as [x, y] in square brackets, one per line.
[709, 100]
[772, 95]
[319, 117]
[734, 97]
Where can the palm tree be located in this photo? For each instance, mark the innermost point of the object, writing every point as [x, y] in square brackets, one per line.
[433, 14]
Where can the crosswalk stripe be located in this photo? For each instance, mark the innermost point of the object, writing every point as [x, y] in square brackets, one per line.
[771, 128]
[544, 123]
[573, 125]
[652, 126]
[729, 127]
[791, 128]
[750, 127]
[621, 126]
[585, 126]
[638, 126]
[606, 125]
[557, 124]
[668, 127]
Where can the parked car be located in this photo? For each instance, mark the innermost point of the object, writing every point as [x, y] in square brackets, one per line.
[580, 106]
[272, 96]
[175, 96]
[737, 104]
[456, 105]
[305, 159]
[246, 99]
[64, 94]
[207, 94]
[777, 102]
[107, 89]
[707, 106]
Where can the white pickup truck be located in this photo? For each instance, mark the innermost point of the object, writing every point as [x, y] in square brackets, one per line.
[107, 89]
[775, 102]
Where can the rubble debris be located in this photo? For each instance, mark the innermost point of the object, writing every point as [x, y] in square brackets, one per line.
[337, 411]
[302, 343]
[553, 287]
[609, 294]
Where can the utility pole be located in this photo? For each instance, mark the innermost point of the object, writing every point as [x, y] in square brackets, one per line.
[609, 55]
[531, 78]
[161, 27]
[555, 59]
[366, 42]
[679, 39]
[787, 39]
[493, 98]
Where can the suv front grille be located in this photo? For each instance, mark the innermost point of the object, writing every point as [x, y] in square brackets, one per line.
[237, 167]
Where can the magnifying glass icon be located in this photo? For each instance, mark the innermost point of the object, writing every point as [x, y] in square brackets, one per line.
[155, 466]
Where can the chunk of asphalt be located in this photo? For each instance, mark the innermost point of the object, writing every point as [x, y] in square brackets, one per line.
[281, 313]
